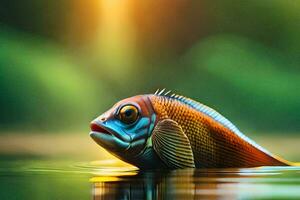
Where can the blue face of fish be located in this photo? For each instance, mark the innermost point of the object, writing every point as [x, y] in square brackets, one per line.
[125, 128]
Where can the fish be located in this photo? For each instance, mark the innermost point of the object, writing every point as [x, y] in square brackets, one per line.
[170, 131]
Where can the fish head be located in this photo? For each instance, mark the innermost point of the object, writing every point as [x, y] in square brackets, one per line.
[124, 129]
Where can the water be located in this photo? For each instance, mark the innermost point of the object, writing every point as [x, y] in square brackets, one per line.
[35, 178]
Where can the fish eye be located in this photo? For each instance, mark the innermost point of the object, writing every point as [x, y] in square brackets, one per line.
[128, 114]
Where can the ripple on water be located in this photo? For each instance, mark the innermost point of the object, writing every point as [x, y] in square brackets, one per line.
[111, 179]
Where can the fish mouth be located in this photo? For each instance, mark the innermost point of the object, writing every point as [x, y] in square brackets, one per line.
[96, 128]
[107, 138]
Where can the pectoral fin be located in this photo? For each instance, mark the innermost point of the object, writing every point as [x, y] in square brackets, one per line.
[172, 145]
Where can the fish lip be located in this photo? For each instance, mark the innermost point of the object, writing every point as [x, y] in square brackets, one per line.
[99, 128]
[96, 136]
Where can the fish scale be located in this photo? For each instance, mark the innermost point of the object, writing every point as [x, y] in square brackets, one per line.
[213, 143]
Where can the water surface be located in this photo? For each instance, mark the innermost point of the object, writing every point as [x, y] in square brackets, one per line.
[35, 178]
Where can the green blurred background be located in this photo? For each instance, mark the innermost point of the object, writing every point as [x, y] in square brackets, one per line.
[62, 63]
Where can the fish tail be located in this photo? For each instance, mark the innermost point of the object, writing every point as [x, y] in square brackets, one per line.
[285, 162]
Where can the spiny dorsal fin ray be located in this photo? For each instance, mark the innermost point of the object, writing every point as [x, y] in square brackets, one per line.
[163, 92]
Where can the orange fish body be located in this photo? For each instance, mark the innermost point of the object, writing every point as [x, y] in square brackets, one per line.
[214, 145]
[171, 131]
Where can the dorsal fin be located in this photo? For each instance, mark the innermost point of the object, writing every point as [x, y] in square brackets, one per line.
[213, 115]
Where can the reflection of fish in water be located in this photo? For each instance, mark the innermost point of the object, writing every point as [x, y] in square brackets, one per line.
[171, 131]
[156, 185]
[185, 184]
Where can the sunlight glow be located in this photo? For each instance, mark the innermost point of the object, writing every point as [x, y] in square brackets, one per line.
[116, 36]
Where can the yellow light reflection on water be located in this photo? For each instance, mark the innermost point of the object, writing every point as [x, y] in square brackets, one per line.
[104, 179]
